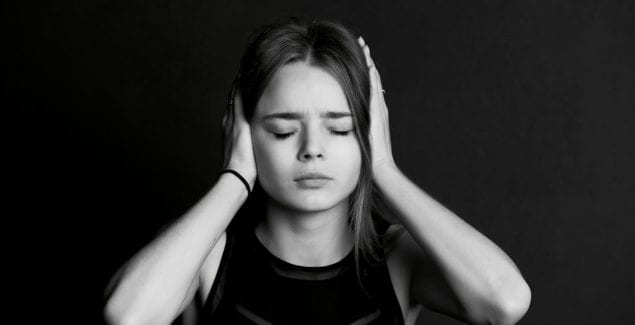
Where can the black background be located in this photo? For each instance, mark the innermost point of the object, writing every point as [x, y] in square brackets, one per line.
[517, 115]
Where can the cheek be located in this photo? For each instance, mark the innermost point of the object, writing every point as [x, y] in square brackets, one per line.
[270, 161]
[349, 162]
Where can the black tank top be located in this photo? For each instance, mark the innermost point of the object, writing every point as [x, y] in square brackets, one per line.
[253, 286]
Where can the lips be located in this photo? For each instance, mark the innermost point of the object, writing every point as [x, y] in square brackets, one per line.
[312, 175]
[312, 181]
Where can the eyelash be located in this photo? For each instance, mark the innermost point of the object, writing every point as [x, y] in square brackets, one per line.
[286, 135]
[282, 136]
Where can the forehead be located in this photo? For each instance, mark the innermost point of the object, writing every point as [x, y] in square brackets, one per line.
[301, 88]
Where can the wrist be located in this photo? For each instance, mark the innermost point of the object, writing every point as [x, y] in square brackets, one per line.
[386, 165]
[384, 170]
[230, 181]
[240, 178]
[248, 174]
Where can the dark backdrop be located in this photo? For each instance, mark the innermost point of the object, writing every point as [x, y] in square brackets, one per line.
[517, 115]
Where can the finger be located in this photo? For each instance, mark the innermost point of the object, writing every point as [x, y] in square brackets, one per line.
[377, 79]
[366, 50]
[228, 117]
[374, 73]
[376, 85]
[229, 102]
[369, 59]
[372, 69]
[238, 106]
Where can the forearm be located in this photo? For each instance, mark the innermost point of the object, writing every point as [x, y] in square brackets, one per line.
[156, 280]
[479, 272]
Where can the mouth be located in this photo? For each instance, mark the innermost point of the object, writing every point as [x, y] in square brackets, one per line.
[312, 176]
[312, 180]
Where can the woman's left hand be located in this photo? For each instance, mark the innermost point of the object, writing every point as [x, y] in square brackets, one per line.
[379, 126]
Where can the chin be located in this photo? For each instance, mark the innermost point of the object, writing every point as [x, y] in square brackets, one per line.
[310, 203]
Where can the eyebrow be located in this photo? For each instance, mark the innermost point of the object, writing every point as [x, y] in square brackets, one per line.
[298, 116]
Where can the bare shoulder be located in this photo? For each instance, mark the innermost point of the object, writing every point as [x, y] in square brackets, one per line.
[417, 278]
[202, 283]
[209, 268]
[400, 270]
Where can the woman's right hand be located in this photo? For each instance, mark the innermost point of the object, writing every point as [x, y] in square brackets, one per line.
[239, 154]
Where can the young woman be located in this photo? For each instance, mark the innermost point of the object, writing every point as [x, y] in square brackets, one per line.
[333, 232]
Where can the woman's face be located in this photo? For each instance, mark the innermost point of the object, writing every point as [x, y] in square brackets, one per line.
[307, 156]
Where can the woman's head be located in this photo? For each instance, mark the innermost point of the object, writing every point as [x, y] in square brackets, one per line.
[307, 156]
[305, 91]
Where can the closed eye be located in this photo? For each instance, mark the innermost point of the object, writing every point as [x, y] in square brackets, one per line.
[286, 135]
[342, 133]
[282, 135]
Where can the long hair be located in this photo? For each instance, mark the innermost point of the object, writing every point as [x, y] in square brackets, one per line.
[334, 48]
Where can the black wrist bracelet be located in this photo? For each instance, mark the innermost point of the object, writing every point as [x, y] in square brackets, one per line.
[240, 177]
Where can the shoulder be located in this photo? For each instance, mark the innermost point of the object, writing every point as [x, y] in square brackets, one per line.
[210, 266]
[400, 269]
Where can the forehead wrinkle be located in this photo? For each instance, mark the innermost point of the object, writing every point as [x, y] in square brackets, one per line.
[297, 91]
[330, 115]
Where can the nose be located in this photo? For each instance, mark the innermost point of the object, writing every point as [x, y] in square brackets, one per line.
[311, 147]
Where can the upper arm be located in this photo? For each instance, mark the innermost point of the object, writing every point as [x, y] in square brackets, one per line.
[425, 283]
[209, 269]
[207, 273]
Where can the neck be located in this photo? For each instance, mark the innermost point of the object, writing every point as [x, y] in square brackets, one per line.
[315, 238]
